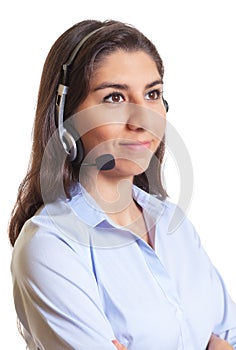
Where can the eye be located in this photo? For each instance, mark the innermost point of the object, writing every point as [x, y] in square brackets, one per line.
[114, 97]
[153, 95]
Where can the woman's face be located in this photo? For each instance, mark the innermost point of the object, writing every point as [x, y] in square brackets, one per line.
[123, 114]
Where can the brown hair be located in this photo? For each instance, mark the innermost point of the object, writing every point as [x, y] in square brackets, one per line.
[57, 174]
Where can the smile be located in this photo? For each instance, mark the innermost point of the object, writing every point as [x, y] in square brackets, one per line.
[136, 146]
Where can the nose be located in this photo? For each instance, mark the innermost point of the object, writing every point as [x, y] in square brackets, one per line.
[135, 127]
[137, 116]
[142, 119]
[138, 120]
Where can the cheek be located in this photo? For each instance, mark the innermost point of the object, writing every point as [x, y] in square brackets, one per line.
[156, 144]
[101, 136]
[156, 141]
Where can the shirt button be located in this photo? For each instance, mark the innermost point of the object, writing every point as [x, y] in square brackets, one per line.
[178, 311]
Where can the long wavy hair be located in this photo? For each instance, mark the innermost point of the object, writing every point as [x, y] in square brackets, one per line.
[61, 176]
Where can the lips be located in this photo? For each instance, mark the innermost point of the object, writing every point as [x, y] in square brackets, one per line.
[136, 145]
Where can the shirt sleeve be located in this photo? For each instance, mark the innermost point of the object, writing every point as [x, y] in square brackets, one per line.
[56, 295]
[226, 329]
[225, 307]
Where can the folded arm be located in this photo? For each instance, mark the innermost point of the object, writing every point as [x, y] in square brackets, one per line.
[216, 343]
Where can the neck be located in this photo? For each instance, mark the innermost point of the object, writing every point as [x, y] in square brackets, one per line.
[112, 193]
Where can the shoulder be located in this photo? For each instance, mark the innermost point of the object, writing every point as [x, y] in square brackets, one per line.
[53, 236]
[57, 221]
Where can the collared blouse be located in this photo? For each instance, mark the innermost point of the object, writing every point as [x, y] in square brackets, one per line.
[80, 280]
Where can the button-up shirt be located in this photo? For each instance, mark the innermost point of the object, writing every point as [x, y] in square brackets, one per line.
[80, 280]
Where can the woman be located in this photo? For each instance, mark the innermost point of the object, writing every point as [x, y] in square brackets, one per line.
[94, 266]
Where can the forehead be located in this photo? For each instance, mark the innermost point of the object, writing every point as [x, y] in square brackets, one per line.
[121, 65]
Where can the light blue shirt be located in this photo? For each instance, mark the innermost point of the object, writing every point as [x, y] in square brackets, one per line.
[81, 281]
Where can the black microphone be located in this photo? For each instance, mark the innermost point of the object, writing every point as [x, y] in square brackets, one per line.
[103, 162]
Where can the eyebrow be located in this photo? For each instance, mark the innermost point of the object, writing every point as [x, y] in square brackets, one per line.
[106, 85]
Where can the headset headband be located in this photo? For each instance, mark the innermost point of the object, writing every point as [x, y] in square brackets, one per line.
[67, 140]
[74, 54]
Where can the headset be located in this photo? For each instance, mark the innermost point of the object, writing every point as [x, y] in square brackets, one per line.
[66, 138]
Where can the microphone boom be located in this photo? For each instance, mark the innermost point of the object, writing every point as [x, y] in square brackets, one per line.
[103, 162]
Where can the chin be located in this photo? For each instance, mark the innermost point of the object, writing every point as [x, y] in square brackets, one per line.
[127, 168]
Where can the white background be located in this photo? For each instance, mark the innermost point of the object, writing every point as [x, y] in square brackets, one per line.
[196, 40]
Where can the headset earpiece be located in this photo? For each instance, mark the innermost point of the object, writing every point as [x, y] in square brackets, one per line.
[166, 105]
[69, 144]
[67, 140]
[75, 145]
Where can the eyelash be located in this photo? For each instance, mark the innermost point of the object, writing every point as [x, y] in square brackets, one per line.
[118, 94]
[113, 94]
[157, 92]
